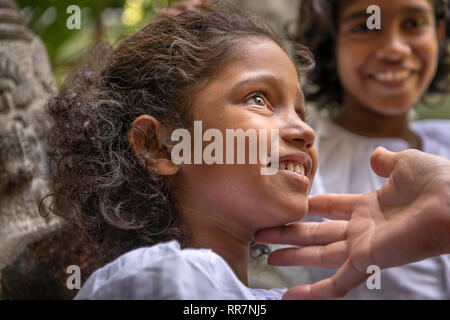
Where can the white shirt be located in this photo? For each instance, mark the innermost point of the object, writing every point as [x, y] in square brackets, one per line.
[344, 167]
[165, 271]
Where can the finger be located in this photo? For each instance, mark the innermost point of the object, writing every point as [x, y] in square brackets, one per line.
[305, 233]
[333, 206]
[344, 280]
[329, 256]
[383, 161]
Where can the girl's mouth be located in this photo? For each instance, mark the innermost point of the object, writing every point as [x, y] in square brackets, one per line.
[297, 165]
[392, 77]
[296, 171]
[297, 168]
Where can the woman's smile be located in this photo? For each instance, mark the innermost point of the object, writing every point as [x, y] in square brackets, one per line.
[394, 80]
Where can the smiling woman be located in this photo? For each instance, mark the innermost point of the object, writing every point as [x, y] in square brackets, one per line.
[320, 20]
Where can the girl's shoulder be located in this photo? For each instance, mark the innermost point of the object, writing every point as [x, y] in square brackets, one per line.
[165, 271]
[435, 135]
[437, 126]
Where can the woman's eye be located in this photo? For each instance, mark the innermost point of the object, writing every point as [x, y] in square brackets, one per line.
[361, 28]
[257, 100]
[415, 23]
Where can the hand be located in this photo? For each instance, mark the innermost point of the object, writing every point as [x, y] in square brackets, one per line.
[407, 220]
[186, 5]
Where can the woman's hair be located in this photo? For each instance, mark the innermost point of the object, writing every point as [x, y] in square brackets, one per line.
[97, 183]
[317, 29]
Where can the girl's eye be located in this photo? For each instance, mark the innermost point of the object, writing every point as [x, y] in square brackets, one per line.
[258, 100]
[361, 28]
[415, 23]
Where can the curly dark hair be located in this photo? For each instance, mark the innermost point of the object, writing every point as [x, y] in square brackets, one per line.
[317, 29]
[97, 183]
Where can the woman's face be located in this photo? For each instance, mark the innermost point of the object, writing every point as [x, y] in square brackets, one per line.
[259, 89]
[387, 70]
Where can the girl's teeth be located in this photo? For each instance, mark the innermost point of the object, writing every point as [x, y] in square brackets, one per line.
[290, 167]
[297, 168]
[392, 76]
[302, 170]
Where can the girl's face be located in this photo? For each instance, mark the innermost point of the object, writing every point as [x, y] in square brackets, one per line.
[387, 70]
[257, 90]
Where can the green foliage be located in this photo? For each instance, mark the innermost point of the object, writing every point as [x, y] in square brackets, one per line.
[100, 20]
[438, 107]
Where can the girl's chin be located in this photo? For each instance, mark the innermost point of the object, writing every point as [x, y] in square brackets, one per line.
[393, 104]
[296, 213]
[391, 109]
[390, 106]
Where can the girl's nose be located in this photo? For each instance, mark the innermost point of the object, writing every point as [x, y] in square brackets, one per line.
[298, 132]
[394, 47]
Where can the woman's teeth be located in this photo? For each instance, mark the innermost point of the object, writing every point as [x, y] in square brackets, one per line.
[389, 76]
[294, 167]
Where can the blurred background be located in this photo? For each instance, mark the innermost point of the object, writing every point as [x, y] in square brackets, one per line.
[113, 19]
[35, 252]
[100, 20]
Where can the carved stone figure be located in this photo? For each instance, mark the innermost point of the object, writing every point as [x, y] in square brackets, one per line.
[26, 82]
[34, 250]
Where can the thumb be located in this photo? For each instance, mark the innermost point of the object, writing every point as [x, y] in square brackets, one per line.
[383, 161]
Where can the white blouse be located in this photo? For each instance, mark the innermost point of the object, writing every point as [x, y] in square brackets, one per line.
[165, 271]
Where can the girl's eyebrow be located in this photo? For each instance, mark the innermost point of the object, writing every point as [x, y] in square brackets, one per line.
[261, 78]
[271, 80]
[355, 15]
[417, 9]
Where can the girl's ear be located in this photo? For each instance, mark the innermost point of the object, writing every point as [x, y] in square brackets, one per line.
[145, 138]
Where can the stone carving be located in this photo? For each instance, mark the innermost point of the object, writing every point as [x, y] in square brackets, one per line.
[33, 249]
[26, 82]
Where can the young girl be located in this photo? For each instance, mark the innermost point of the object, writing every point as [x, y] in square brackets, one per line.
[369, 80]
[179, 231]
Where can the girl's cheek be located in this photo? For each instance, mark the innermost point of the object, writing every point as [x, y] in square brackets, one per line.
[350, 54]
[427, 50]
[426, 43]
